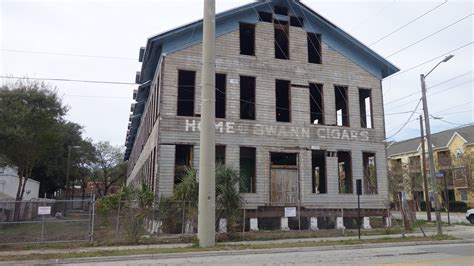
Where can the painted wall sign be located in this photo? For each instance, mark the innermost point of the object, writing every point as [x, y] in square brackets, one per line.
[273, 130]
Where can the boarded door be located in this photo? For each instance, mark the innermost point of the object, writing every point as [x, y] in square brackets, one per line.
[284, 185]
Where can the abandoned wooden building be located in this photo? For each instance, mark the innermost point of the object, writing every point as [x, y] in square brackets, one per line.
[298, 111]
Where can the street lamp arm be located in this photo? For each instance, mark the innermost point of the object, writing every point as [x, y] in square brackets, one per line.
[446, 59]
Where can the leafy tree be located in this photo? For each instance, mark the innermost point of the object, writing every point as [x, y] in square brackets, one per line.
[108, 168]
[30, 114]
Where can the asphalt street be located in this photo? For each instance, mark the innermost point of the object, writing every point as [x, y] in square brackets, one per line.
[432, 254]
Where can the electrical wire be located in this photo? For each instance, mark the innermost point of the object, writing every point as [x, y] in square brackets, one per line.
[67, 54]
[406, 123]
[428, 36]
[71, 80]
[405, 25]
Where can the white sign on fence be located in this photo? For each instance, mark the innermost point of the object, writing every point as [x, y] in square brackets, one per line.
[290, 211]
[44, 210]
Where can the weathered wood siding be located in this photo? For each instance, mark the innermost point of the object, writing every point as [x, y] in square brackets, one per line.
[334, 70]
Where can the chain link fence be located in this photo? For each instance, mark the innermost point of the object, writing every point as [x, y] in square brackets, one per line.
[46, 220]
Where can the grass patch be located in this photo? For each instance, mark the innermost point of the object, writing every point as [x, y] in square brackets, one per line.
[219, 247]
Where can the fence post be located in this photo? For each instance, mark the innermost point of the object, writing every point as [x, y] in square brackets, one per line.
[243, 224]
[117, 226]
[183, 225]
[93, 218]
[42, 223]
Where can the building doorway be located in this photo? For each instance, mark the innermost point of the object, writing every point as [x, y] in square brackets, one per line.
[283, 179]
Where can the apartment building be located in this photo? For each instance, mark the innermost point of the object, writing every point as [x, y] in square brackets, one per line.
[454, 161]
[299, 111]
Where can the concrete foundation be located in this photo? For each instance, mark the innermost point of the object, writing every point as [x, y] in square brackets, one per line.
[313, 223]
[223, 225]
[366, 224]
[253, 224]
[340, 223]
[284, 224]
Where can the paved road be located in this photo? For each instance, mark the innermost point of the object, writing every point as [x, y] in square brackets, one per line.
[455, 217]
[446, 254]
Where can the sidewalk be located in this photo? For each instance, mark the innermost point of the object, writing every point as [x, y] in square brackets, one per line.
[455, 217]
[457, 231]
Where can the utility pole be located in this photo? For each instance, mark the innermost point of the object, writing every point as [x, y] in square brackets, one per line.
[425, 180]
[207, 178]
[439, 229]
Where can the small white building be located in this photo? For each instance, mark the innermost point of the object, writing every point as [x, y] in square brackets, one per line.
[9, 185]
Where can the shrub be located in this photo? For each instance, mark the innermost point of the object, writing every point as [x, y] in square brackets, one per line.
[458, 206]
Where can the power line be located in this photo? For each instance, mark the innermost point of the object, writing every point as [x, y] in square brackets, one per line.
[378, 12]
[430, 35]
[405, 25]
[406, 96]
[67, 54]
[453, 78]
[406, 123]
[430, 60]
[71, 80]
[98, 96]
[438, 92]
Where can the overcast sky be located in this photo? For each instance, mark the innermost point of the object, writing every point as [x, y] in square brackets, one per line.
[110, 33]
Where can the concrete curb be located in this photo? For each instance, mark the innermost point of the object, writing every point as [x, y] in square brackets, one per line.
[234, 252]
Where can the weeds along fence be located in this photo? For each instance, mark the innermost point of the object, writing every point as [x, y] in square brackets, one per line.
[128, 221]
[46, 221]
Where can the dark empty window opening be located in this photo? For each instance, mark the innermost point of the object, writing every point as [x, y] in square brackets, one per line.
[370, 173]
[186, 80]
[345, 171]
[318, 162]
[365, 103]
[281, 41]
[314, 48]
[220, 154]
[316, 103]
[247, 170]
[278, 158]
[342, 108]
[265, 16]
[296, 22]
[182, 162]
[220, 95]
[283, 101]
[281, 10]
[247, 39]
[247, 97]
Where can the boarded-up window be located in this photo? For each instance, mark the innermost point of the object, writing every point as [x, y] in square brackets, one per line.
[282, 44]
[316, 103]
[365, 104]
[247, 170]
[247, 97]
[370, 173]
[314, 48]
[283, 99]
[182, 162]
[318, 161]
[345, 171]
[186, 81]
[342, 106]
[247, 39]
[220, 95]
[220, 154]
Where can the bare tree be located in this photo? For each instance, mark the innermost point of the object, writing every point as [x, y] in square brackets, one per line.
[108, 168]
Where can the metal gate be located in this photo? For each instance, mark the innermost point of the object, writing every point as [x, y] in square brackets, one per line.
[284, 185]
[46, 221]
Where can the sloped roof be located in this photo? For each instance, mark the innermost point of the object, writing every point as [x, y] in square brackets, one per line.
[439, 140]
